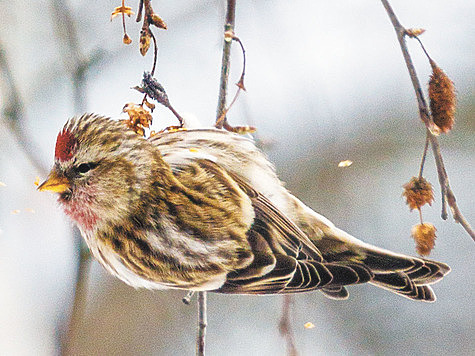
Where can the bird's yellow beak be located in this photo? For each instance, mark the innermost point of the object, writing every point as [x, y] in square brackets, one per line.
[55, 183]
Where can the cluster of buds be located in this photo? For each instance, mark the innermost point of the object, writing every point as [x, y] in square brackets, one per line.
[418, 192]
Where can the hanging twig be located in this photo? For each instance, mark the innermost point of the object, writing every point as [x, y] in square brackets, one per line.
[423, 159]
[446, 190]
[221, 121]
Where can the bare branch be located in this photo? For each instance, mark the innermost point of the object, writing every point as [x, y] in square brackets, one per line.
[225, 62]
[77, 65]
[202, 324]
[285, 327]
[446, 190]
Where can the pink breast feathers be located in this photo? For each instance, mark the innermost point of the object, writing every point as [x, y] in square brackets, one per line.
[66, 145]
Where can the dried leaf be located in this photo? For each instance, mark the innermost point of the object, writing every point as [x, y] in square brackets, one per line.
[345, 163]
[150, 105]
[424, 235]
[442, 99]
[308, 325]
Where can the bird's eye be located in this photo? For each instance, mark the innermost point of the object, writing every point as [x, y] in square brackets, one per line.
[85, 167]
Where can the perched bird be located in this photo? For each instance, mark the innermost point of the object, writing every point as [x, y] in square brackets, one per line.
[203, 210]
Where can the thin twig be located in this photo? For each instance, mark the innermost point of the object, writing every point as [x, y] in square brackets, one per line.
[424, 155]
[139, 11]
[285, 326]
[446, 190]
[221, 121]
[155, 53]
[225, 62]
[202, 323]
[420, 216]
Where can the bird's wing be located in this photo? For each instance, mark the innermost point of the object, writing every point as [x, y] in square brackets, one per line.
[284, 258]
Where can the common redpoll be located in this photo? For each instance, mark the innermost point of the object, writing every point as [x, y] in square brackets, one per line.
[202, 210]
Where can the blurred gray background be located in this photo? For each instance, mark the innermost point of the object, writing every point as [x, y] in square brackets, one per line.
[325, 82]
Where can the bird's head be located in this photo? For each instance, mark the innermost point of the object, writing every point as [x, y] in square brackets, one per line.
[97, 169]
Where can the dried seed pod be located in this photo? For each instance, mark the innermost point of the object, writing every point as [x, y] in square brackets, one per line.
[127, 40]
[145, 38]
[158, 21]
[418, 192]
[442, 99]
[345, 163]
[424, 235]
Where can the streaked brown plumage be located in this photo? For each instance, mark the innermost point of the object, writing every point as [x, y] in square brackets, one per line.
[204, 210]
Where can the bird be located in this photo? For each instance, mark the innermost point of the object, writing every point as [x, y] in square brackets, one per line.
[203, 210]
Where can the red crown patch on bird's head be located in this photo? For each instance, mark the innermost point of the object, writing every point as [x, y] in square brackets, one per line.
[66, 145]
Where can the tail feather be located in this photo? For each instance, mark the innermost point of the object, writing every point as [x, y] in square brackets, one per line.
[413, 283]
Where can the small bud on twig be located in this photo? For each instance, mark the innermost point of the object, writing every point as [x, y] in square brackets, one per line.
[414, 32]
[157, 21]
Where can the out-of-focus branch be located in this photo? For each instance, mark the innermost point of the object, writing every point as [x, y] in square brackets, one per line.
[225, 62]
[75, 62]
[285, 326]
[447, 193]
[13, 112]
[77, 65]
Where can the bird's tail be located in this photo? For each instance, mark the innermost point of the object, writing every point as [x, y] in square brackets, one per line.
[407, 276]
